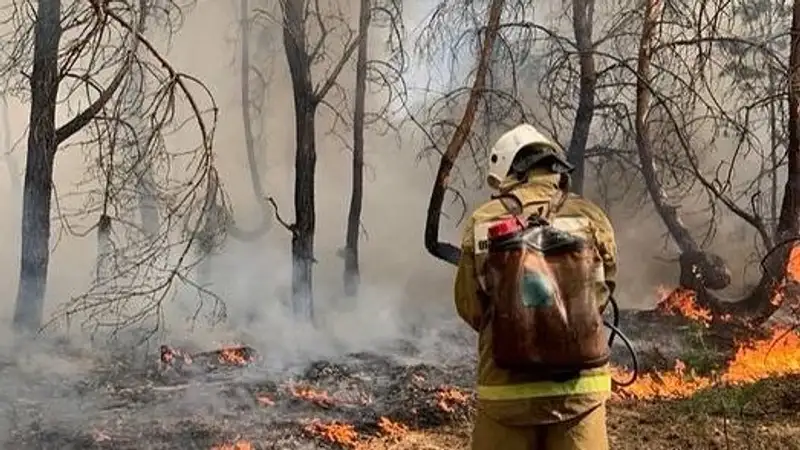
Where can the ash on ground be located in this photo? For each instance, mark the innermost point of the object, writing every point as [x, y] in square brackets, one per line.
[206, 400]
[209, 399]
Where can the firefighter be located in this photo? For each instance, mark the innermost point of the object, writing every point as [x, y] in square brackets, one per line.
[515, 413]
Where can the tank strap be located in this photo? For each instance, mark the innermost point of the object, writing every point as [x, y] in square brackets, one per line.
[514, 205]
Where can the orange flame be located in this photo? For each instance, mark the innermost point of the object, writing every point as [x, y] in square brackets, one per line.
[793, 265]
[237, 356]
[449, 397]
[792, 276]
[777, 355]
[334, 432]
[673, 384]
[392, 429]
[682, 302]
[240, 444]
[319, 398]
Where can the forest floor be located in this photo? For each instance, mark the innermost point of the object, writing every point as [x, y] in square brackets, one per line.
[224, 400]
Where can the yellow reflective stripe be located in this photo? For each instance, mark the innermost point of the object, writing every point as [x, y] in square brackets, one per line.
[586, 384]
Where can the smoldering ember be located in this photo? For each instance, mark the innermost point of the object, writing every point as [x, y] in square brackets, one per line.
[257, 224]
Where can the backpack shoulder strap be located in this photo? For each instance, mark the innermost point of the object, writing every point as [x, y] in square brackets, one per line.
[514, 205]
[556, 202]
[511, 202]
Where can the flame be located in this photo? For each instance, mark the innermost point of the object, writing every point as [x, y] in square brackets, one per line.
[449, 397]
[777, 355]
[319, 398]
[240, 444]
[682, 302]
[393, 430]
[677, 383]
[781, 291]
[237, 356]
[793, 265]
[334, 432]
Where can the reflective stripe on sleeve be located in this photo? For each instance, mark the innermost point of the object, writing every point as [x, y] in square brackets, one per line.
[586, 384]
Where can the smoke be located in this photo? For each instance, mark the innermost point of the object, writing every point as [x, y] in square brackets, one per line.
[404, 289]
[406, 294]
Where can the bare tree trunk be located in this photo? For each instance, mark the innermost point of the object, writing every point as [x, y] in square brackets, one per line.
[445, 251]
[789, 222]
[351, 270]
[668, 213]
[699, 270]
[305, 107]
[249, 138]
[582, 17]
[38, 187]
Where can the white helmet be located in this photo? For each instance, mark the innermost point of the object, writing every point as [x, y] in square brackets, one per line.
[509, 144]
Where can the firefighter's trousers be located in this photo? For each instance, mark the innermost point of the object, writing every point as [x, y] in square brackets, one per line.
[585, 432]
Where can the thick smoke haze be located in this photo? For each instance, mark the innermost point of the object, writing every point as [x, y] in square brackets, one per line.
[403, 288]
[401, 283]
[405, 292]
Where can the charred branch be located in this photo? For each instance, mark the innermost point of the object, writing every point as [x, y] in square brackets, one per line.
[445, 251]
[582, 18]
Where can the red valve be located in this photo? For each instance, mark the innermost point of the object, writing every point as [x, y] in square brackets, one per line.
[504, 228]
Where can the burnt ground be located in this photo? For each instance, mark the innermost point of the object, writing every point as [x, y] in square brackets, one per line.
[366, 400]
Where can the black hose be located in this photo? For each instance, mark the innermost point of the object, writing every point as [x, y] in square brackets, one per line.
[615, 331]
[615, 316]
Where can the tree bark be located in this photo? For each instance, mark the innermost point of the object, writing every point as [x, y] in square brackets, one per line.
[37, 191]
[351, 270]
[582, 17]
[789, 222]
[305, 106]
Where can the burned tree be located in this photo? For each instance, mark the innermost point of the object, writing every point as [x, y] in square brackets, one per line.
[487, 103]
[308, 34]
[386, 73]
[66, 62]
[582, 24]
[351, 271]
[690, 112]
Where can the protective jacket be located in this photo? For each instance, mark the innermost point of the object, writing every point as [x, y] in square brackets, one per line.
[508, 396]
